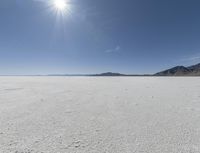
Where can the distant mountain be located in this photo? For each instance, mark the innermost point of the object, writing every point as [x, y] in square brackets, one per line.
[193, 70]
[109, 74]
[101, 74]
[118, 74]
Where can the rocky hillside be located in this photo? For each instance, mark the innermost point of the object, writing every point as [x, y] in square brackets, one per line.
[193, 70]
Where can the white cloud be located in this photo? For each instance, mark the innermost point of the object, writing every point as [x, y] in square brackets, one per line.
[192, 58]
[116, 49]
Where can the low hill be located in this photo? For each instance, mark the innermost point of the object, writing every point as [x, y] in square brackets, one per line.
[109, 74]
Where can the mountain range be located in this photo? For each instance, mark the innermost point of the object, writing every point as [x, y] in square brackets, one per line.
[193, 70]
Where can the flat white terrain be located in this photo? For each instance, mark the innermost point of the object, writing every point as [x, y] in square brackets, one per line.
[99, 115]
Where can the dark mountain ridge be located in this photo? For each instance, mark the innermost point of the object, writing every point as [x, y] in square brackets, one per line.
[193, 70]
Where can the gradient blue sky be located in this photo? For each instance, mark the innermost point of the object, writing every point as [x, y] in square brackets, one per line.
[127, 36]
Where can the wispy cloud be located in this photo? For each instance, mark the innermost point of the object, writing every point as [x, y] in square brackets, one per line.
[191, 58]
[116, 49]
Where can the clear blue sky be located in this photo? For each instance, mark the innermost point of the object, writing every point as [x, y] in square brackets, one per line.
[94, 36]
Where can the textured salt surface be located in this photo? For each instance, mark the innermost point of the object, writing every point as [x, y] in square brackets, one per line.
[99, 115]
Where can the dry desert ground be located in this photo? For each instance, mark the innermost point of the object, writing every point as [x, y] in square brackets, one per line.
[99, 115]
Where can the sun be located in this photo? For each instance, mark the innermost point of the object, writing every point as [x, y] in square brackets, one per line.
[60, 5]
[60, 8]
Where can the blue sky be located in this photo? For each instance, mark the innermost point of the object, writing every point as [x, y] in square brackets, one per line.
[94, 36]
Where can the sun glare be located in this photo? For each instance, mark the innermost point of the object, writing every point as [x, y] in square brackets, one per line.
[60, 5]
[60, 8]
